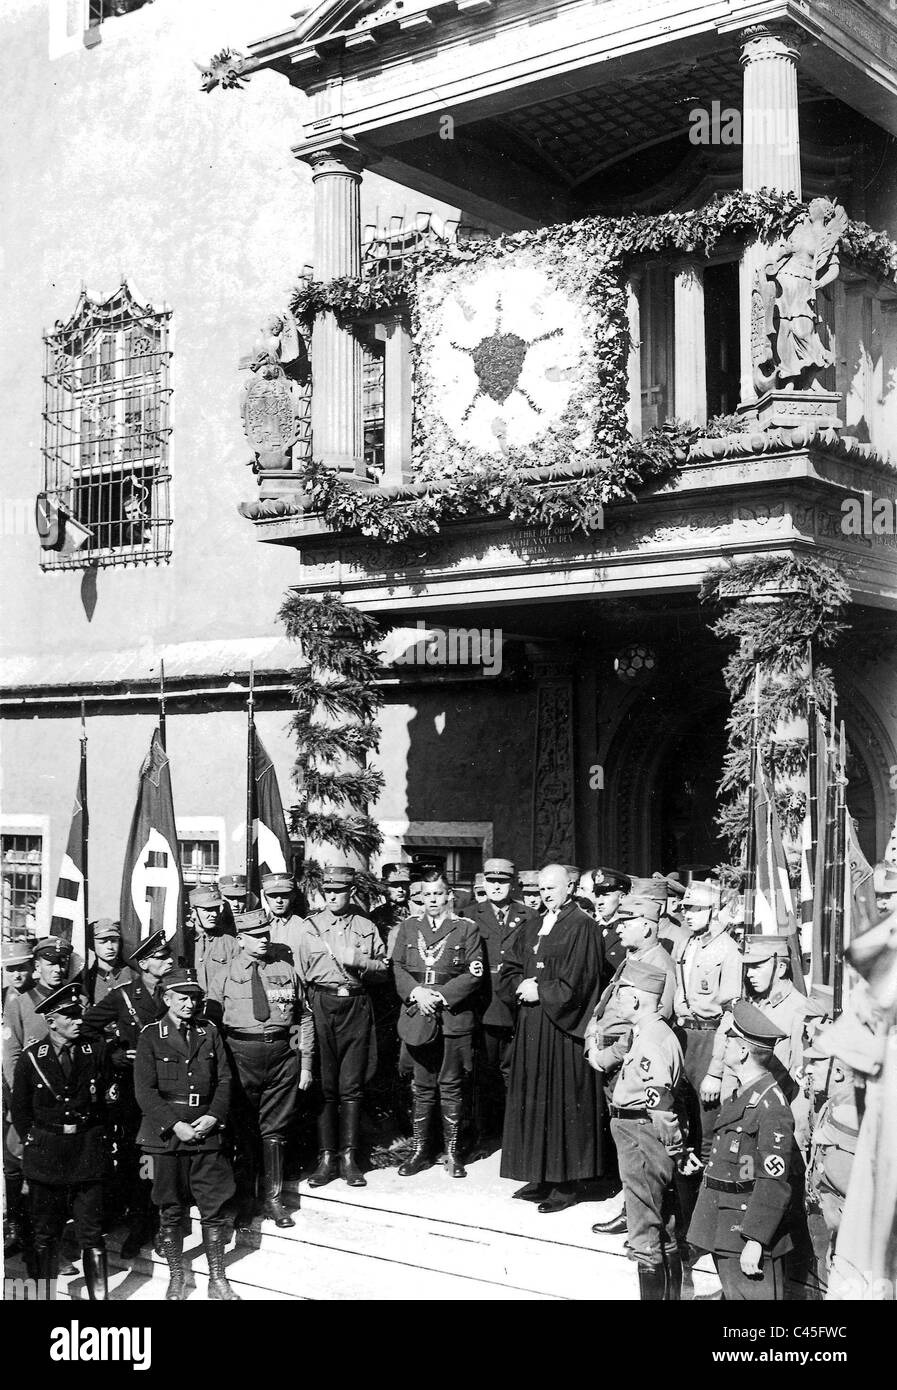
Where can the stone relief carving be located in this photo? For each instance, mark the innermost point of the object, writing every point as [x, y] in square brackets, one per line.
[553, 821]
[275, 396]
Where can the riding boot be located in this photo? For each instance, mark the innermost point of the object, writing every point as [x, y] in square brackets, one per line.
[272, 1164]
[95, 1273]
[172, 1241]
[451, 1127]
[674, 1277]
[219, 1288]
[46, 1268]
[652, 1283]
[350, 1123]
[328, 1164]
[419, 1158]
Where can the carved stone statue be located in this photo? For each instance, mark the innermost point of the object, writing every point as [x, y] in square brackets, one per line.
[274, 402]
[787, 350]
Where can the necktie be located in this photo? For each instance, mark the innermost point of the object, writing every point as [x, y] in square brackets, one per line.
[65, 1061]
[261, 1011]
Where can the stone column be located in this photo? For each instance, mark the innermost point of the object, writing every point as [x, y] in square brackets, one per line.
[397, 400]
[690, 357]
[337, 424]
[634, 372]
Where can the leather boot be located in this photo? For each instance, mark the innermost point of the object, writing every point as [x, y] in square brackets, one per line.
[13, 1227]
[451, 1129]
[95, 1275]
[419, 1158]
[350, 1122]
[219, 1289]
[652, 1283]
[172, 1241]
[328, 1165]
[46, 1269]
[272, 1166]
[674, 1277]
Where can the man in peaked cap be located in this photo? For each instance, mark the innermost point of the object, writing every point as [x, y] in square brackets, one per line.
[18, 964]
[741, 1215]
[605, 889]
[268, 1025]
[22, 1022]
[528, 879]
[386, 918]
[479, 889]
[341, 956]
[884, 885]
[497, 919]
[279, 892]
[182, 1080]
[213, 943]
[109, 969]
[646, 1129]
[59, 1108]
[119, 1018]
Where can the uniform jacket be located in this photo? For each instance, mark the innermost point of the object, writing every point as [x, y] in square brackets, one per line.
[753, 1145]
[649, 1079]
[287, 933]
[605, 1021]
[96, 984]
[495, 937]
[21, 1026]
[323, 929]
[44, 1099]
[387, 918]
[211, 951]
[460, 957]
[231, 988]
[175, 1081]
[614, 952]
[789, 1009]
[122, 1016]
[708, 975]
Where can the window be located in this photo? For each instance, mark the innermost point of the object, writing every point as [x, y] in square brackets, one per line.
[372, 395]
[462, 862]
[23, 875]
[199, 861]
[106, 436]
[462, 844]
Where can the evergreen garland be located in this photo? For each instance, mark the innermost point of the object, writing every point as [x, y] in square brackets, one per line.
[806, 599]
[335, 727]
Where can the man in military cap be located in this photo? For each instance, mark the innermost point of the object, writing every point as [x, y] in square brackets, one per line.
[645, 1126]
[108, 970]
[341, 955]
[18, 964]
[741, 1215]
[23, 1023]
[605, 889]
[119, 1018]
[182, 1080]
[213, 944]
[528, 880]
[479, 889]
[884, 886]
[438, 965]
[237, 898]
[386, 918]
[672, 934]
[497, 919]
[265, 1014]
[59, 1108]
[389, 1086]
[18, 967]
[286, 924]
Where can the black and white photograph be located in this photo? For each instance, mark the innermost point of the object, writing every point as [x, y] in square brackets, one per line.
[448, 758]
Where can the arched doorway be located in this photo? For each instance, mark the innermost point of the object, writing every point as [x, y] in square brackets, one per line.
[686, 789]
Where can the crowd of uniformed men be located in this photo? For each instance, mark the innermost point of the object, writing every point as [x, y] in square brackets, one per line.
[621, 1039]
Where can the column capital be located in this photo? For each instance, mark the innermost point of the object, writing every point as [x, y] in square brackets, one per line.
[771, 41]
[335, 152]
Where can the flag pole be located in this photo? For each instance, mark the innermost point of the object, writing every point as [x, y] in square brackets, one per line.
[82, 795]
[162, 705]
[250, 781]
[749, 844]
[812, 760]
[839, 878]
[830, 849]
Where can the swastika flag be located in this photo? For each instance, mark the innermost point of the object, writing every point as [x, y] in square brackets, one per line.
[152, 889]
[69, 917]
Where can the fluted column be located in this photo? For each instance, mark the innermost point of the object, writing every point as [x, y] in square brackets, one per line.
[634, 370]
[770, 138]
[336, 412]
[690, 377]
[397, 400]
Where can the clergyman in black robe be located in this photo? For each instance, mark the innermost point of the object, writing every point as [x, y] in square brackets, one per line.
[554, 969]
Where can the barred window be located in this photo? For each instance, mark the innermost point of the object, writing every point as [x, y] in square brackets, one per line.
[106, 497]
[372, 394]
[199, 860]
[22, 874]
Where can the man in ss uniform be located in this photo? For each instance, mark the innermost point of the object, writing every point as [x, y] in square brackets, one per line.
[108, 970]
[438, 966]
[646, 1130]
[497, 919]
[182, 1081]
[341, 956]
[59, 1108]
[23, 1022]
[213, 943]
[264, 1013]
[742, 1211]
[606, 888]
[119, 1018]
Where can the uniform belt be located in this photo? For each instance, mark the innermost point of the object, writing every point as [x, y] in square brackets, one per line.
[341, 991]
[78, 1127]
[702, 1025]
[193, 1099]
[725, 1185]
[624, 1112]
[263, 1035]
[432, 977]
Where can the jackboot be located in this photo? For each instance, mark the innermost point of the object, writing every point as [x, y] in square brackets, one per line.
[674, 1277]
[46, 1268]
[451, 1130]
[328, 1164]
[419, 1158]
[350, 1123]
[652, 1281]
[95, 1274]
[219, 1288]
[272, 1170]
[171, 1239]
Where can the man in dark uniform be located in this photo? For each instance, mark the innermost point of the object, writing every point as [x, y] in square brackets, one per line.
[59, 1108]
[340, 956]
[386, 917]
[496, 919]
[438, 964]
[108, 970]
[268, 1026]
[389, 1091]
[528, 880]
[213, 943]
[18, 964]
[742, 1211]
[120, 1017]
[605, 889]
[22, 1022]
[182, 1081]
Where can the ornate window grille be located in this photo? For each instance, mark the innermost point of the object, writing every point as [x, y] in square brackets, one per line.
[21, 857]
[200, 860]
[106, 433]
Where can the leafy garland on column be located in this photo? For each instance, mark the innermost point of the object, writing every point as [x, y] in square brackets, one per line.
[335, 722]
[806, 601]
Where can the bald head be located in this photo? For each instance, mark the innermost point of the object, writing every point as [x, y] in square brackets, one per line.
[555, 886]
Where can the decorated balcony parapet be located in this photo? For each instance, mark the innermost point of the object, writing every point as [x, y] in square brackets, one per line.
[517, 357]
